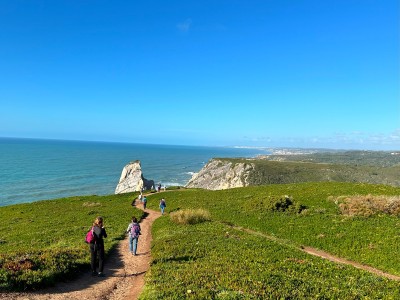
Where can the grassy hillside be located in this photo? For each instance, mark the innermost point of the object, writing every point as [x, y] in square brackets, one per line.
[357, 158]
[272, 172]
[218, 259]
[215, 260]
[43, 241]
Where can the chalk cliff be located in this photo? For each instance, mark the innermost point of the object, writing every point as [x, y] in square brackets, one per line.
[132, 179]
[220, 174]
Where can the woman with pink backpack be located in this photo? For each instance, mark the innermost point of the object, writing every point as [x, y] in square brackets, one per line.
[96, 246]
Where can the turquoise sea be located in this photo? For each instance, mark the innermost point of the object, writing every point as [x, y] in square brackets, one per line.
[33, 169]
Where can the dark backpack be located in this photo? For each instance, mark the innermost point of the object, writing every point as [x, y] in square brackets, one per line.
[135, 230]
[90, 237]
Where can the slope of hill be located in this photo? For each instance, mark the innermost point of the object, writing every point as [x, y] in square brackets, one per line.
[355, 157]
[231, 257]
[221, 173]
[250, 249]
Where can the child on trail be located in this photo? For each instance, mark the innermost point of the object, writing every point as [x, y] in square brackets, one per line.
[97, 247]
[134, 232]
[163, 205]
[144, 202]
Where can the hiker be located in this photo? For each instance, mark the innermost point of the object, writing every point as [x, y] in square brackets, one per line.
[134, 232]
[97, 247]
[159, 187]
[144, 202]
[163, 205]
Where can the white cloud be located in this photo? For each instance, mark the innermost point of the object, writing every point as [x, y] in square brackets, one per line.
[184, 26]
[344, 140]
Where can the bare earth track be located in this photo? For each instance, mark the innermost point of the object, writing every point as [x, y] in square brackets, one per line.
[323, 254]
[125, 273]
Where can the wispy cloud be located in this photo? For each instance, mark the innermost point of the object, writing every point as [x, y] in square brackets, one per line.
[355, 139]
[184, 26]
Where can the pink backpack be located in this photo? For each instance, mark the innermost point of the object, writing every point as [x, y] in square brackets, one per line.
[90, 238]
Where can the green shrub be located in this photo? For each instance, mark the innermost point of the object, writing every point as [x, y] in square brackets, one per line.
[280, 204]
[190, 216]
[23, 271]
[174, 187]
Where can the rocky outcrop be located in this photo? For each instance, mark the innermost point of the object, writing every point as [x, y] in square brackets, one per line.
[220, 174]
[132, 179]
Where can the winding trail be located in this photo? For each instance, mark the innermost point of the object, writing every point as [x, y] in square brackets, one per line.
[124, 273]
[322, 254]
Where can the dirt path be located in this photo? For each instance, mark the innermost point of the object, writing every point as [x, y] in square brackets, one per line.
[124, 274]
[322, 254]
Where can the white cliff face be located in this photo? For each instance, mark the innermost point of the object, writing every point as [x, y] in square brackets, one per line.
[132, 179]
[221, 174]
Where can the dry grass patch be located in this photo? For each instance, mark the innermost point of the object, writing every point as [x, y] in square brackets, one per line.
[368, 205]
[91, 204]
[190, 216]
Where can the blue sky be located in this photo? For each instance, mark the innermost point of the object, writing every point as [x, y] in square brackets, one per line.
[271, 73]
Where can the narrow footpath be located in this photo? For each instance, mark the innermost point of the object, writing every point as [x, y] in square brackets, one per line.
[322, 254]
[124, 274]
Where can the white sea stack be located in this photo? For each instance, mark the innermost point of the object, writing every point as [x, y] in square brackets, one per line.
[132, 179]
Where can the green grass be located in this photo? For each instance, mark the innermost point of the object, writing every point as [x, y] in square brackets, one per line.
[200, 254]
[42, 241]
[214, 259]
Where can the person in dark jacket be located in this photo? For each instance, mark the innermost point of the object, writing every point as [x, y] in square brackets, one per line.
[163, 205]
[97, 248]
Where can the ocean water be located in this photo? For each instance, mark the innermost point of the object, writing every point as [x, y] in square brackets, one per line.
[32, 170]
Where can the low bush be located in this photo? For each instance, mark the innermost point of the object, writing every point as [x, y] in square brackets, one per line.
[284, 203]
[173, 187]
[272, 203]
[368, 205]
[22, 271]
[190, 216]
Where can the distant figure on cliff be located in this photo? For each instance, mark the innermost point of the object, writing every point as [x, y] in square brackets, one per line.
[159, 187]
[144, 202]
[97, 248]
[163, 205]
[134, 232]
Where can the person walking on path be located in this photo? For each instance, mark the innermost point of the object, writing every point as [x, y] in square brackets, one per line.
[97, 247]
[134, 232]
[144, 202]
[163, 205]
